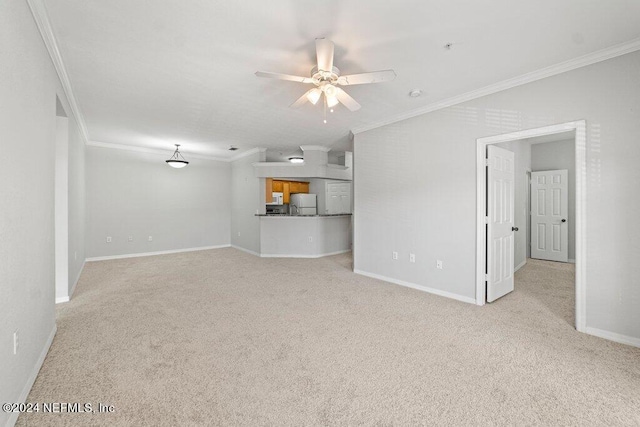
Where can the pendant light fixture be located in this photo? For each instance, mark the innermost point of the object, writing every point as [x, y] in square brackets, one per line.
[177, 161]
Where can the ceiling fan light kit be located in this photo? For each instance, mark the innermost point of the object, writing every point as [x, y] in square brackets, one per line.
[296, 159]
[327, 78]
[314, 95]
[176, 160]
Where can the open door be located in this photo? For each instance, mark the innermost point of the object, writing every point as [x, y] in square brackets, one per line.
[549, 213]
[500, 222]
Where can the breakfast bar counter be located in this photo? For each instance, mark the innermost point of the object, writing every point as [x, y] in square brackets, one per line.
[304, 236]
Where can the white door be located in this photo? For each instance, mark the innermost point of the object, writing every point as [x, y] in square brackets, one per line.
[333, 198]
[500, 222]
[549, 209]
[345, 197]
[338, 198]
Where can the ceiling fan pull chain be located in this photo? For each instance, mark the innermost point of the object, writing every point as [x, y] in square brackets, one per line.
[325, 108]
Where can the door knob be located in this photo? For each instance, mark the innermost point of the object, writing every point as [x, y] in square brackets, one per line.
[564, 220]
[514, 228]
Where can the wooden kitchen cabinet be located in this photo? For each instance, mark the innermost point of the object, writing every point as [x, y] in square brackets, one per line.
[268, 190]
[299, 187]
[285, 187]
[286, 191]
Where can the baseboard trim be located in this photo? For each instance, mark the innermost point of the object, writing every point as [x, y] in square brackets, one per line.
[143, 254]
[73, 288]
[11, 421]
[60, 300]
[522, 264]
[612, 336]
[418, 287]
[245, 250]
[304, 256]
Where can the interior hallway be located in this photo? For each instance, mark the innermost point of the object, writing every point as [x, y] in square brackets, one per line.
[549, 284]
[221, 337]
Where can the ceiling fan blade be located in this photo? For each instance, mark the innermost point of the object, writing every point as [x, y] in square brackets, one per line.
[284, 77]
[301, 101]
[373, 77]
[347, 100]
[324, 53]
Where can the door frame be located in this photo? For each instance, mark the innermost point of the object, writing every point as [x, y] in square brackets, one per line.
[581, 213]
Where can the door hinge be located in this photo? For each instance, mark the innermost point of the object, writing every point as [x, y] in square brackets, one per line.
[486, 277]
[486, 162]
[486, 220]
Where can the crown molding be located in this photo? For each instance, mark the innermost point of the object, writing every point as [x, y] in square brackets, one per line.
[562, 67]
[40, 15]
[271, 164]
[315, 148]
[147, 150]
[247, 153]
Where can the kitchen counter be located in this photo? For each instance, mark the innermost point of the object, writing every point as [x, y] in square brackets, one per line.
[304, 236]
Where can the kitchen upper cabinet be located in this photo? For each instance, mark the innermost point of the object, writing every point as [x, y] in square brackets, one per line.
[287, 192]
[269, 190]
[285, 187]
[299, 187]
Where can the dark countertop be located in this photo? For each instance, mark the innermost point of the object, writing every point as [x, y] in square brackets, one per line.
[302, 216]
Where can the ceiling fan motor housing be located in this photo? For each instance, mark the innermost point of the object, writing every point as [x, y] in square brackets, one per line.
[320, 76]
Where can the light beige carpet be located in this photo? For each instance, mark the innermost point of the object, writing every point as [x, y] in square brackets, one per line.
[221, 337]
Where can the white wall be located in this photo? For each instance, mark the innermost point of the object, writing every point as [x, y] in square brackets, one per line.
[247, 198]
[61, 211]
[136, 194]
[28, 85]
[560, 155]
[77, 204]
[69, 204]
[424, 169]
[522, 164]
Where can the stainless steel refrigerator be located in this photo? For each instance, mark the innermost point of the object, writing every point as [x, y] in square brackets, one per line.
[302, 204]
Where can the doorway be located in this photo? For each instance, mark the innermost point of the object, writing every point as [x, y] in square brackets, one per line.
[484, 274]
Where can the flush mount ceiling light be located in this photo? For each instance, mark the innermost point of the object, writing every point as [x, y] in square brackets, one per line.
[296, 159]
[177, 161]
[415, 93]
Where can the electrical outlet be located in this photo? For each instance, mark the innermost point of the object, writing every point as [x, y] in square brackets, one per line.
[394, 255]
[15, 342]
[412, 257]
[108, 239]
[151, 238]
[238, 234]
[75, 255]
[439, 265]
[310, 239]
[131, 238]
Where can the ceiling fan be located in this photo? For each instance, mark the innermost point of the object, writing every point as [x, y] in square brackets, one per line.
[327, 78]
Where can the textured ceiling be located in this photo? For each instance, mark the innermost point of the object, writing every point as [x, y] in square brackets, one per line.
[155, 73]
